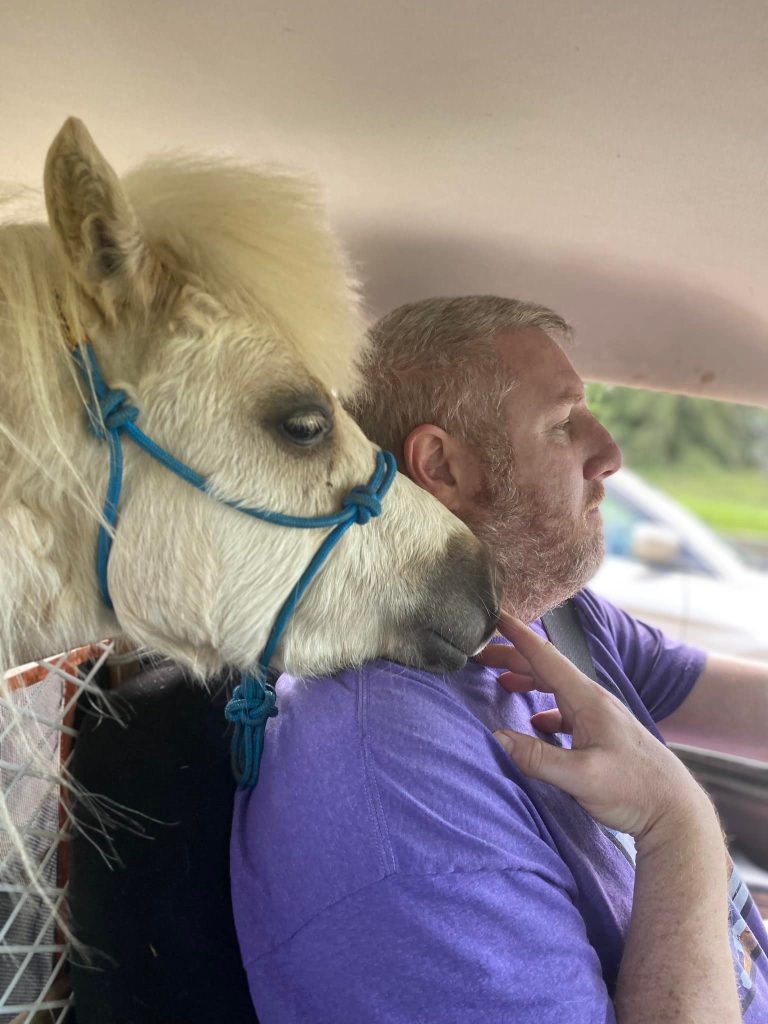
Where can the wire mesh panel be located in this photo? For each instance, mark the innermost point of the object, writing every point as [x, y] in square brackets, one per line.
[37, 729]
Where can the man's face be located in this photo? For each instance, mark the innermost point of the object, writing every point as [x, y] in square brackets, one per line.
[538, 508]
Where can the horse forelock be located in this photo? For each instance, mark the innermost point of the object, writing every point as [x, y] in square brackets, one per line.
[261, 242]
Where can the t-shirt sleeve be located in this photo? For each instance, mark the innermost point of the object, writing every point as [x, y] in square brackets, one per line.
[662, 670]
[505, 945]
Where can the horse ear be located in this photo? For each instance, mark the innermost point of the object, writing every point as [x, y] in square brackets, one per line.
[95, 224]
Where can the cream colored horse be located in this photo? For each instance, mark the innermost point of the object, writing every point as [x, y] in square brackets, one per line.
[216, 297]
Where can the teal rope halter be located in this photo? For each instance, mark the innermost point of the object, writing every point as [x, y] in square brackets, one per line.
[253, 701]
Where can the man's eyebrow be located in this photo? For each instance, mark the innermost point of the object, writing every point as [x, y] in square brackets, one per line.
[572, 395]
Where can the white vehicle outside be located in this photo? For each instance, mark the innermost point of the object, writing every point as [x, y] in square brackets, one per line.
[666, 567]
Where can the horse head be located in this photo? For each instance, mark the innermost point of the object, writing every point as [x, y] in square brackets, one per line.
[216, 297]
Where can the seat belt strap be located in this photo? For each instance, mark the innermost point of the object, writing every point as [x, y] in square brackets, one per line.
[564, 630]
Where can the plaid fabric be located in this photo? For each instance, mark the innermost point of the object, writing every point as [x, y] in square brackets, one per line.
[37, 707]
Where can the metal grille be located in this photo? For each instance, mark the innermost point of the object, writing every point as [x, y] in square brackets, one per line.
[37, 706]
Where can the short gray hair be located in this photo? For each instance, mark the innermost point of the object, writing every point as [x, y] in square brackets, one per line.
[434, 361]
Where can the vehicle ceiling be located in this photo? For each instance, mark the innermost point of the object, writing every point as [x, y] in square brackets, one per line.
[609, 159]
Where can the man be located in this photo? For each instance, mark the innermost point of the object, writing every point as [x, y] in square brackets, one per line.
[394, 864]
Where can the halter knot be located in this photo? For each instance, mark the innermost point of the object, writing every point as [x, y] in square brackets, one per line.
[252, 703]
[365, 502]
[113, 411]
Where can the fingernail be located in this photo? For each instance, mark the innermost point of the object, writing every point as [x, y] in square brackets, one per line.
[506, 741]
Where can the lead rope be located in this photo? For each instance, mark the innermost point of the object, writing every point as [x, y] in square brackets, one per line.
[253, 701]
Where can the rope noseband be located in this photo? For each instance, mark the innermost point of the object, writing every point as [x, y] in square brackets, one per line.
[253, 701]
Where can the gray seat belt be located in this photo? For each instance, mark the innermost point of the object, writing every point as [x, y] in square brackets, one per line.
[563, 628]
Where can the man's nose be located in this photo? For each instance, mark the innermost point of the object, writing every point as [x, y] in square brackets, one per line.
[606, 458]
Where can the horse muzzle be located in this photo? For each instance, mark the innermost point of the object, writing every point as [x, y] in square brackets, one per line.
[460, 612]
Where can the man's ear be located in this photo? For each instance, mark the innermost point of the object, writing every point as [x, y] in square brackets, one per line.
[95, 225]
[443, 465]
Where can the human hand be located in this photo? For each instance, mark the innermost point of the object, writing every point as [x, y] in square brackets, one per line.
[617, 770]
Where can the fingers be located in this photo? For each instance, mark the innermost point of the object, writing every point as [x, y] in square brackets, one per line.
[504, 656]
[515, 682]
[551, 721]
[551, 670]
[539, 760]
[527, 642]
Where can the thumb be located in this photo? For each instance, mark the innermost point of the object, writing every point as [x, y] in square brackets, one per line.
[538, 760]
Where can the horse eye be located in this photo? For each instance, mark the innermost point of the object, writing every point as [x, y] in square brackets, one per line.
[307, 427]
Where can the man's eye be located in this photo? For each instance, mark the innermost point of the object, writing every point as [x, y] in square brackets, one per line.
[307, 427]
[564, 425]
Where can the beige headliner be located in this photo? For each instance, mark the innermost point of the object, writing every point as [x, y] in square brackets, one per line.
[607, 158]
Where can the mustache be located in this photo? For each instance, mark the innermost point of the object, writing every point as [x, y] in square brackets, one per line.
[596, 495]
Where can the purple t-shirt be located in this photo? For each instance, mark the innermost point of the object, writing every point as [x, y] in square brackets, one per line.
[393, 865]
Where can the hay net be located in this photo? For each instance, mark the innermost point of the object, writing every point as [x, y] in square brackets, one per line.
[37, 729]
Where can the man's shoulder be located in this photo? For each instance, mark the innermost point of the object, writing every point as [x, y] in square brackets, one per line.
[604, 618]
[385, 773]
[379, 705]
[613, 628]
[641, 659]
[395, 727]
[596, 610]
[345, 691]
[385, 769]
[402, 742]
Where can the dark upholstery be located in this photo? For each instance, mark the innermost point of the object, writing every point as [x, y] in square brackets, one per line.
[163, 917]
